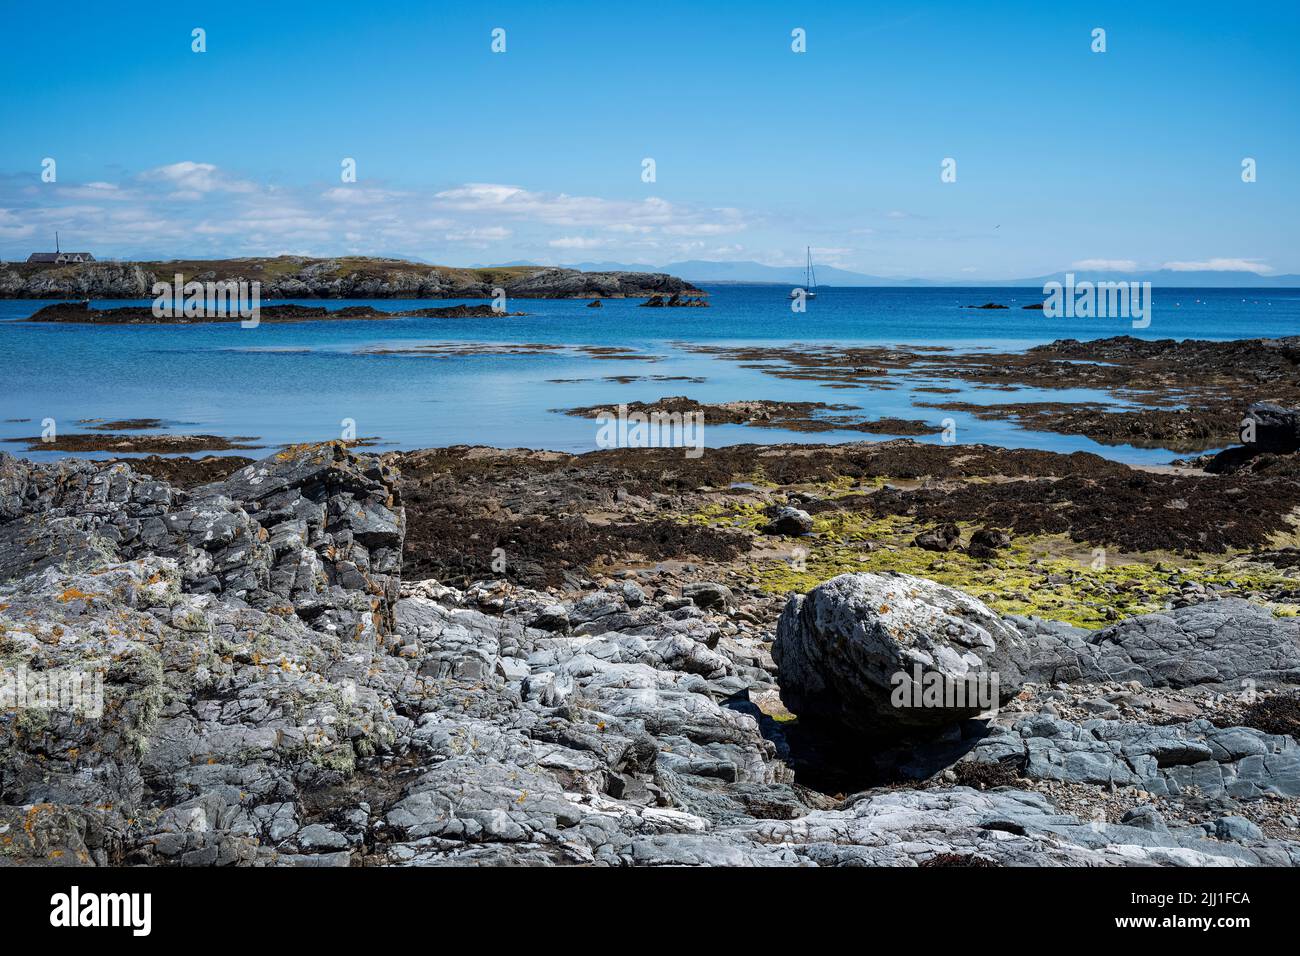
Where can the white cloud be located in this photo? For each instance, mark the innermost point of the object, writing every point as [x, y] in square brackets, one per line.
[361, 195]
[478, 235]
[698, 229]
[95, 191]
[1106, 265]
[11, 227]
[577, 242]
[562, 209]
[1221, 265]
[478, 195]
[193, 208]
[192, 180]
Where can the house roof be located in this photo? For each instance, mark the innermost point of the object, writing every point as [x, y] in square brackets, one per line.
[56, 256]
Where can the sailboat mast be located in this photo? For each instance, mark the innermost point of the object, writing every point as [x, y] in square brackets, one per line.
[809, 289]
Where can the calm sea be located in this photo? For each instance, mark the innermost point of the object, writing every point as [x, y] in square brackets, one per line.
[298, 382]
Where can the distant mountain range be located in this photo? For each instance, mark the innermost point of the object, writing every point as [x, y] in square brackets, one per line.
[697, 270]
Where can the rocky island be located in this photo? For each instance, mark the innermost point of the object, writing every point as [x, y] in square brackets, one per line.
[345, 277]
[144, 315]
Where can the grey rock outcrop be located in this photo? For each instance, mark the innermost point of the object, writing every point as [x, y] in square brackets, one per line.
[238, 675]
[709, 594]
[265, 691]
[849, 650]
[1220, 642]
[859, 651]
[962, 826]
[99, 280]
[329, 279]
[1213, 762]
[314, 530]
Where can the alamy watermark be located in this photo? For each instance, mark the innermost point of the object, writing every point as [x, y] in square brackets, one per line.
[208, 300]
[74, 909]
[919, 688]
[70, 690]
[1098, 300]
[656, 429]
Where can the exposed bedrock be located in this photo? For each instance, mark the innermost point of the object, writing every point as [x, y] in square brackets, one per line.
[850, 652]
[1213, 762]
[312, 530]
[296, 277]
[273, 694]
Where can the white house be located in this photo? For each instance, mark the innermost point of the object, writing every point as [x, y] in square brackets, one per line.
[60, 257]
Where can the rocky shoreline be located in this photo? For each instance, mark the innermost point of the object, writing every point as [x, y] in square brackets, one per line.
[144, 315]
[478, 656]
[766, 413]
[344, 277]
[1185, 395]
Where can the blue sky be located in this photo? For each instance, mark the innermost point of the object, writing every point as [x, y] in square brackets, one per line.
[1130, 157]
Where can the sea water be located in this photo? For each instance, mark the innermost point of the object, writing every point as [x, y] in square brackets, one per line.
[291, 382]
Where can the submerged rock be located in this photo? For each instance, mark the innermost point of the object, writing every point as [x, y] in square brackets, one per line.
[676, 300]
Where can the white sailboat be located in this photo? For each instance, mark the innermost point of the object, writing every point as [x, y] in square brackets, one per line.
[809, 280]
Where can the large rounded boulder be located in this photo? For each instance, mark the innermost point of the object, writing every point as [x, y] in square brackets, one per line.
[884, 654]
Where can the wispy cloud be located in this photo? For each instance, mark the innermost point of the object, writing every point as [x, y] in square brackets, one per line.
[197, 208]
[1106, 265]
[1221, 265]
[645, 215]
[577, 242]
[478, 238]
[190, 180]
